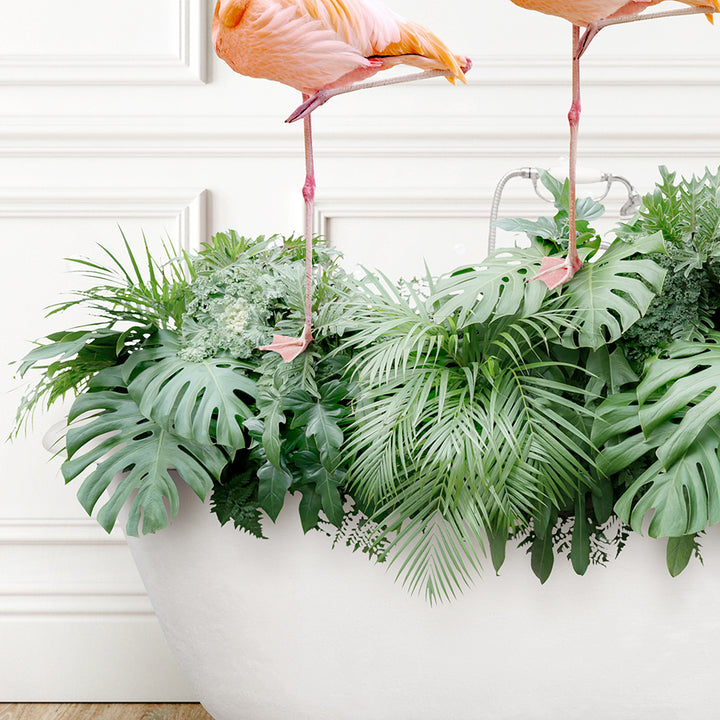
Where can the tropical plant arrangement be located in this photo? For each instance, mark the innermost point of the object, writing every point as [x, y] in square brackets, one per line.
[431, 421]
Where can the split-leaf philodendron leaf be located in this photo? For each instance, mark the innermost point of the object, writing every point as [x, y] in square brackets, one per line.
[196, 400]
[120, 439]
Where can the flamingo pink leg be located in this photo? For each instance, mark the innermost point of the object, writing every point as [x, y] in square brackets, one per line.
[555, 271]
[322, 96]
[594, 28]
[288, 347]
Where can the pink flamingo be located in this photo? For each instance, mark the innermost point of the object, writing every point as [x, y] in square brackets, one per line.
[593, 15]
[323, 48]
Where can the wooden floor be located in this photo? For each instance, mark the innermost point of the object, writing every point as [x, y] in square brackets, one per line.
[102, 711]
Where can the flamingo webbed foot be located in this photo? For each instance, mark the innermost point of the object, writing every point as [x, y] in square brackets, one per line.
[555, 271]
[312, 103]
[288, 347]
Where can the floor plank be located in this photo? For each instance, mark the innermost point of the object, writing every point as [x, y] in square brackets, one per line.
[103, 711]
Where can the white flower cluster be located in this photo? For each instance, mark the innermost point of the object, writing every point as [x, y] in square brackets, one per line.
[234, 318]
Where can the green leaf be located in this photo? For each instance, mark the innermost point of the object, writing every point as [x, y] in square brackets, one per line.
[544, 520]
[201, 401]
[496, 287]
[602, 498]
[617, 431]
[327, 484]
[310, 506]
[274, 483]
[679, 552]
[320, 416]
[271, 409]
[497, 542]
[120, 439]
[68, 344]
[580, 542]
[325, 480]
[688, 383]
[543, 227]
[611, 293]
[685, 496]
[611, 370]
[542, 557]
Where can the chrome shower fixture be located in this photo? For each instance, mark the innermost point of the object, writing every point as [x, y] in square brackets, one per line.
[584, 176]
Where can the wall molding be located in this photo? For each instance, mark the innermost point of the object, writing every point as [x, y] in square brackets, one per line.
[430, 203]
[187, 66]
[654, 70]
[57, 532]
[431, 136]
[81, 599]
[187, 206]
[74, 592]
[77, 591]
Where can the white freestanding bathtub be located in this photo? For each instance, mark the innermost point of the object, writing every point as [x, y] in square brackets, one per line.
[290, 629]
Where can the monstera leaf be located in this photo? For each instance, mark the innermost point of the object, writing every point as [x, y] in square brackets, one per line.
[675, 415]
[611, 293]
[687, 382]
[617, 431]
[685, 496]
[202, 401]
[120, 439]
[497, 287]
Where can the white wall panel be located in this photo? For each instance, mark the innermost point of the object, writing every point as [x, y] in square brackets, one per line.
[66, 42]
[43, 226]
[58, 569]
[402, 232]
[107, 112]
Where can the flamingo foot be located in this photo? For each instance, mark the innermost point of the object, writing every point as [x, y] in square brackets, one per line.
[349, 84]
[555, 271]
[288, 347]
[312, 103]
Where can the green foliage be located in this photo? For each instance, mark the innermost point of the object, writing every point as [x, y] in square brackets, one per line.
[609, 295]
[596, 543]
[687, 215]
[120, 439]
[358, 532]
[302, 416]
[458, 427]
[429, 423]
[606, 297]
[234, 297]
[205, 401]
[498, 285]
[660, 438]
[301, 408]
[679, 552]
[552, 234]
[131, 302]
[235, 496]
[144, 408]
[651, 458]
[681, 311]
[135, 292]
[673, 416]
